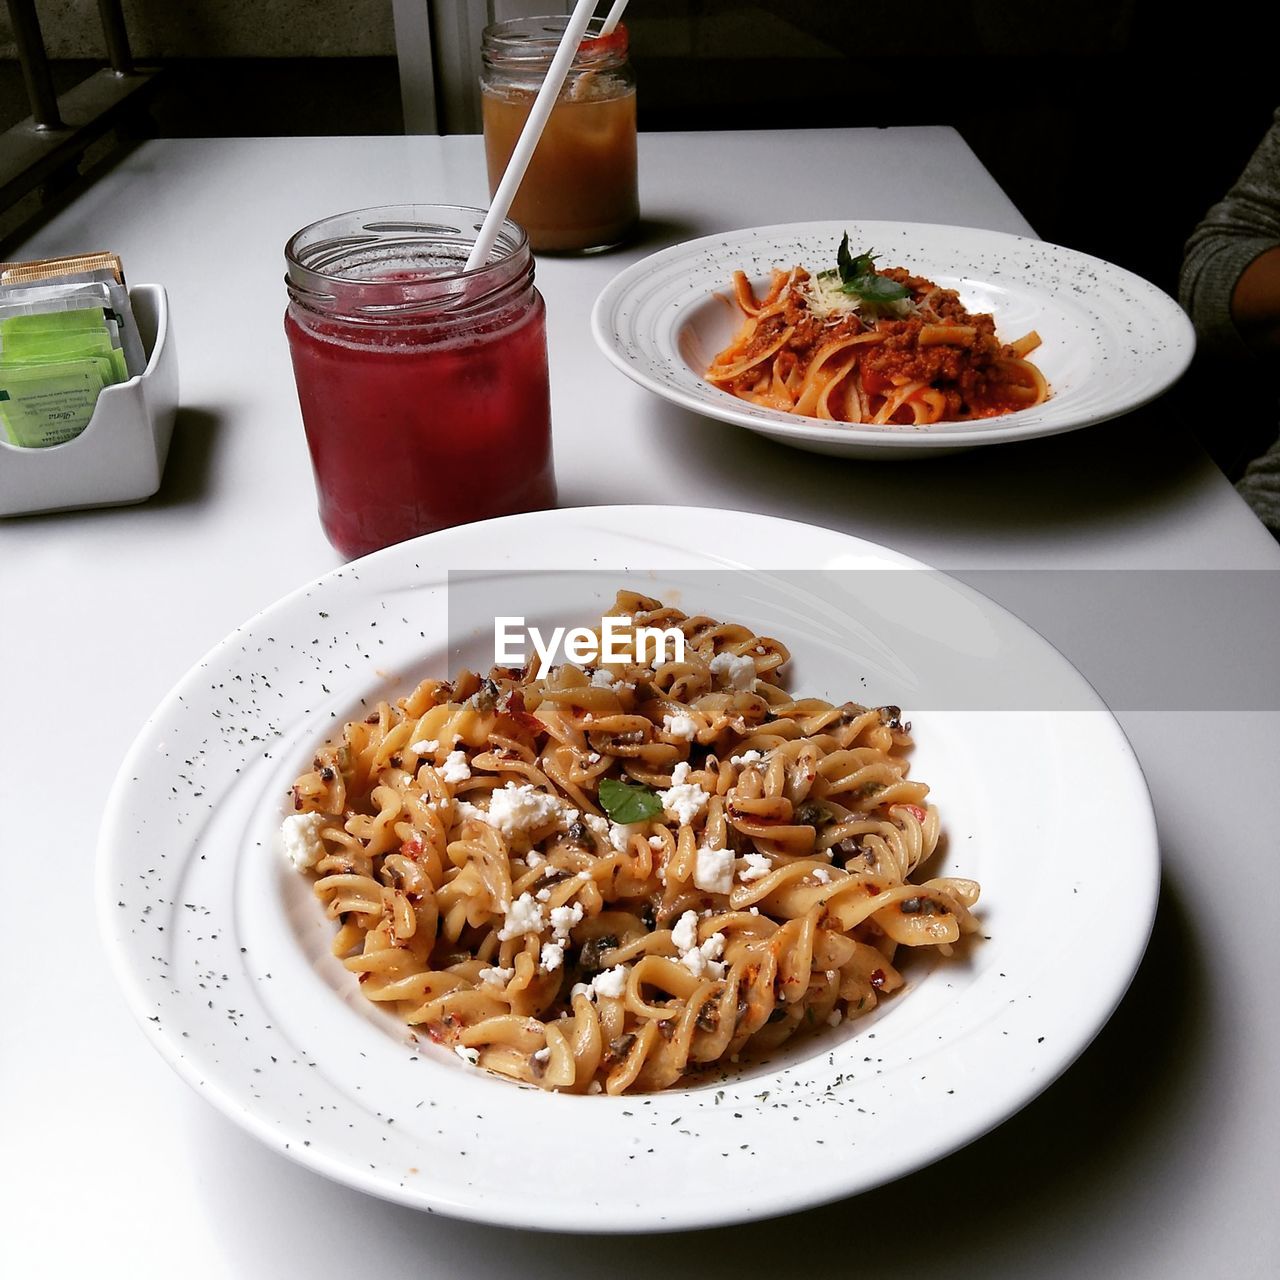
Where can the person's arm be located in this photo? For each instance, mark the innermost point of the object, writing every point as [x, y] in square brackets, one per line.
[1255, 302]
[1230, 282]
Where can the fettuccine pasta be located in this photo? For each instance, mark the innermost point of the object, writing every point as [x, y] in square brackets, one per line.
[759, 881]
[859, 345]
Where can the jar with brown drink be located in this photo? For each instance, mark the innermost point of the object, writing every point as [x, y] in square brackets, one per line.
[579, 194]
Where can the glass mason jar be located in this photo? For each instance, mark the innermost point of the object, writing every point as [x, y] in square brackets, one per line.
[579, 193]
[423, 386]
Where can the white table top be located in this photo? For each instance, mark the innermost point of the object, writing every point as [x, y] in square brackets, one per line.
[1154, 1155]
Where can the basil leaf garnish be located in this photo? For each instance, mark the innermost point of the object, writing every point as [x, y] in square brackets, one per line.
[859, 279]
[627, 802]
[875, 288]
[844, 261]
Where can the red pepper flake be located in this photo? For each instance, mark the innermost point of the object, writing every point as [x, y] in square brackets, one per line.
[914, 810]
[872, 889]
[877, 978]
[512, 704]
[412, 848]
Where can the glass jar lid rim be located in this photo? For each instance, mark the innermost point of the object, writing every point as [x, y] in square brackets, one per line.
[371, 265]
[379, 224]
[534, 40]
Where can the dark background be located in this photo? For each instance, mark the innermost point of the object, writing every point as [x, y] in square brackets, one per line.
[1112, 126]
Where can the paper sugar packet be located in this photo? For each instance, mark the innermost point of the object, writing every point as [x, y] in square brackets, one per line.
[67, 330]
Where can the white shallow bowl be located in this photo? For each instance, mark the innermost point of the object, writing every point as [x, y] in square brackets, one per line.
[1111, 341]
[223, 951]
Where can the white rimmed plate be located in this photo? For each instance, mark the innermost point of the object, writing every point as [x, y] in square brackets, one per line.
[1111, 341]
[223, 951]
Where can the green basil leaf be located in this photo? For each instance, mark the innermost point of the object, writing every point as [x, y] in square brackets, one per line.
[626, 802]
[873, 288]
[863, 265]
[859, 278]
[844, 260]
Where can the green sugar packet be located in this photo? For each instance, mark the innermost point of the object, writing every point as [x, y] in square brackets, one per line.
[79, 320]
[88, 331]
[110, 359]
[53, 364]
[43, 405]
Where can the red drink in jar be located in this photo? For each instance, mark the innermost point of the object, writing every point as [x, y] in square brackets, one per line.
[423, 386]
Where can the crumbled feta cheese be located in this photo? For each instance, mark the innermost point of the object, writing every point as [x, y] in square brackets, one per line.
[612, 982]
[467, 1055]
[755, 866]
[552, 956]
[620, 834]
[595, 1087]
[455, 767]
[424, 748]
[680, 726]
[564, 918]
[704, 961]
[685, 933]
[534, 859]
[497, 977]
[543, 895]
[524, 915]
[542, 1055]
[593, 757]
[516, 810]
[602, 678]
[300, 836]
[597, 825]
[683, 800]
[822, 875]
[738, 671]
[713, 872]
[465, 809]
[657, 843]
[835, 1018]
[747, 757]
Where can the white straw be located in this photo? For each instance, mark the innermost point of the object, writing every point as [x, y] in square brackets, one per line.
[615, 17]
[529, 135]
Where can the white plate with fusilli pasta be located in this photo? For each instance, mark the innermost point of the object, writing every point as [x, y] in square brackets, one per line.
[691, 922]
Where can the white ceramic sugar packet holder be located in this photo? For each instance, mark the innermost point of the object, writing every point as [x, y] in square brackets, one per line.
[119, 457]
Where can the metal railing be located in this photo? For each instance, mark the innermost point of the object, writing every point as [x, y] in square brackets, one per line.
[48, 146]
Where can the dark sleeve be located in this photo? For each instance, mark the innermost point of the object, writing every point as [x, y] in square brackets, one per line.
[1234, 232]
